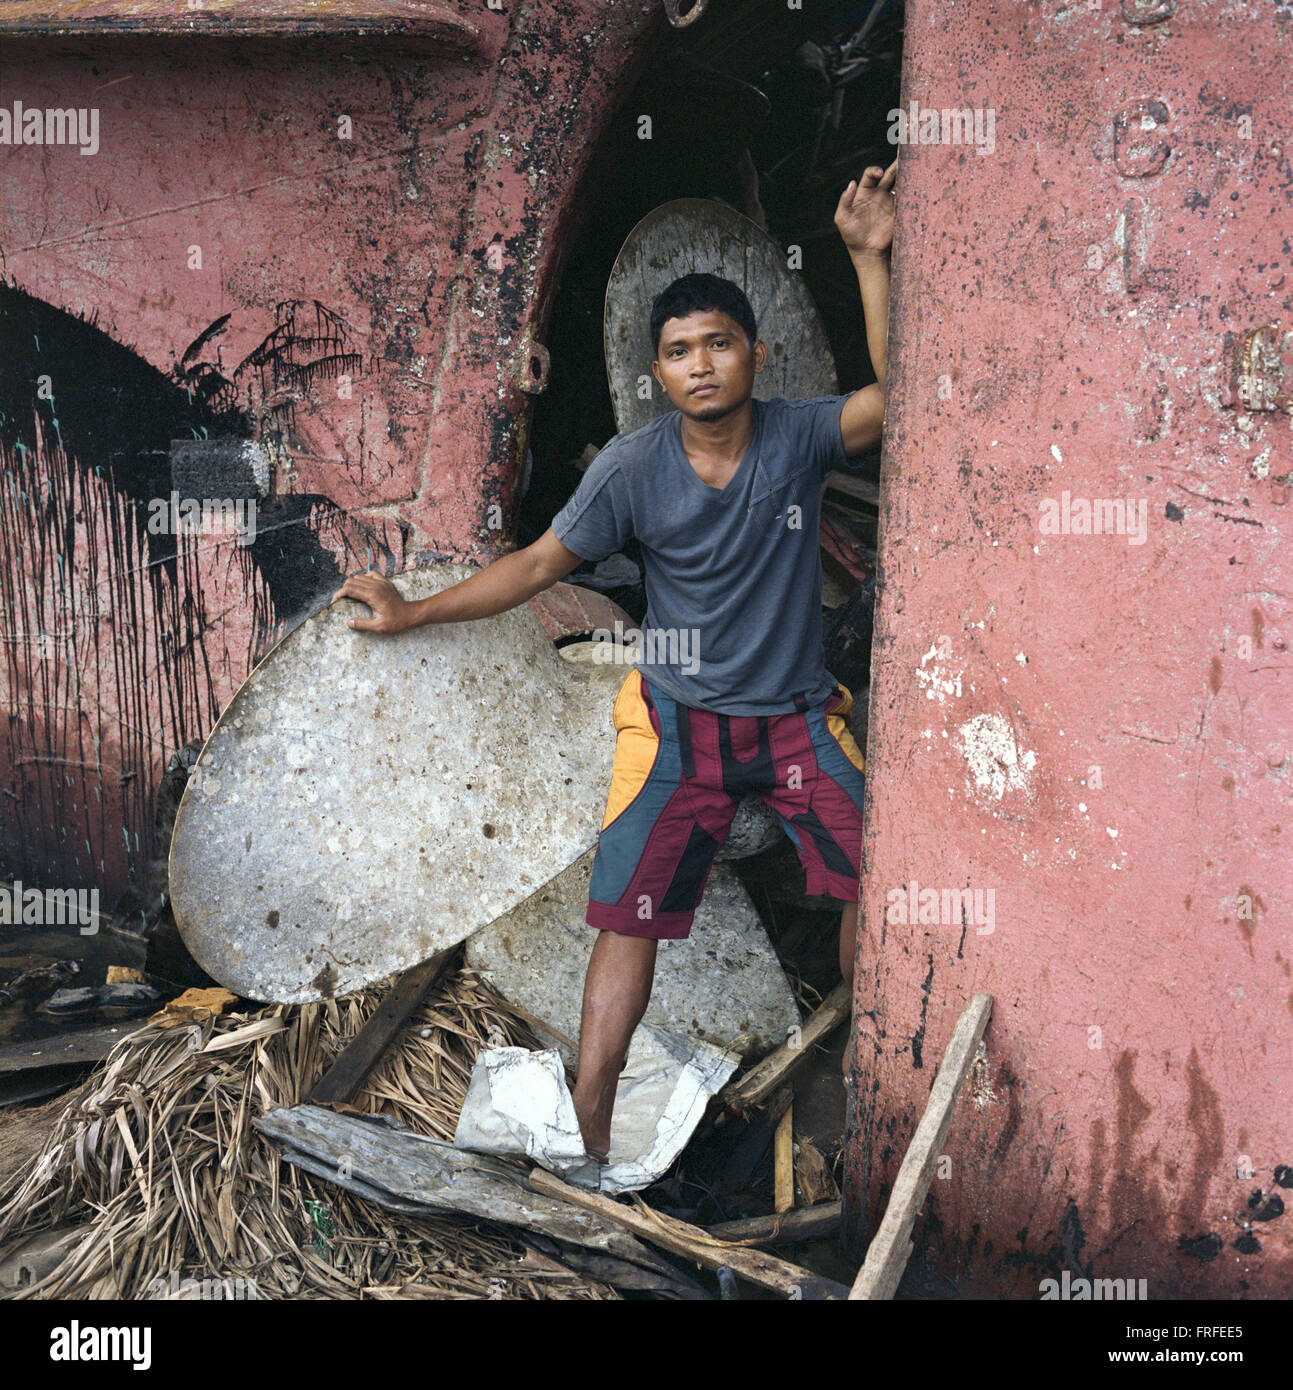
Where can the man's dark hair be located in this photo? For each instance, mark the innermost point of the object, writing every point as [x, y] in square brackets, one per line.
[697, 292]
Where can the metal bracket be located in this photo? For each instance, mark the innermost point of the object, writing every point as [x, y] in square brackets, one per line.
[535, 369]
[681, 21]
[1261, 369]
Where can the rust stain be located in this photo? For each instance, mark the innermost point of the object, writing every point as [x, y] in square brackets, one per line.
[1203, 1113]
[325, 981]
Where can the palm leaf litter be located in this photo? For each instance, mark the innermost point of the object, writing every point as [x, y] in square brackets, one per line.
[156, 1171]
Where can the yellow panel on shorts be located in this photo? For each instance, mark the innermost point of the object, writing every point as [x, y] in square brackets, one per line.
[636, 746]
[837, 723]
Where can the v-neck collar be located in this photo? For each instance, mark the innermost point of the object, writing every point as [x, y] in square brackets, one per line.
[747, 463]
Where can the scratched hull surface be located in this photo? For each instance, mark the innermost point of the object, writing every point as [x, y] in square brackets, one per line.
[367, 800]
[286, 276]
[1091, 727]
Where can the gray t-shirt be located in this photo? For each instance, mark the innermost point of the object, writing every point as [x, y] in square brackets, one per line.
[733, 574]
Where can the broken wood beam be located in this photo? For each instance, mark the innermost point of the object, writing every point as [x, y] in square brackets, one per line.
[385, 1162]
[854, 485]
[788, 1228]
[337, 1086]
[81, 1047]
[760, 1081]
[888, 1253]
[783, 1162]
[679, 1238]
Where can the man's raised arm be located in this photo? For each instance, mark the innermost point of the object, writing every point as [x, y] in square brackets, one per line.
[508, 582]
[865, 219]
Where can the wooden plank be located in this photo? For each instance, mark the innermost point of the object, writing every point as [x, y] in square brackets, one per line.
[403, 1171]
[759, 1082]
[344, 1077]
[789, 1280]
[86, 1046]
[623, 1274]
[854, 486]
[805, 1223]
[783, 1162]
[887, 1255]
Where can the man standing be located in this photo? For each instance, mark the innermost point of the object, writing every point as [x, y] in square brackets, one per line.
[731, 696]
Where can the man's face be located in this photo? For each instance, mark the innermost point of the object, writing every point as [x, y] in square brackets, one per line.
[705, 364]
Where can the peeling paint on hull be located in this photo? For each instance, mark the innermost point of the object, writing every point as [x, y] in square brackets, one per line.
[1104, 734]
[348, 264]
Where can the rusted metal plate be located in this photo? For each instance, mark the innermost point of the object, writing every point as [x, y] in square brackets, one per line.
[366, 800]
[723, 985]
[1081, 671]
[692, 235]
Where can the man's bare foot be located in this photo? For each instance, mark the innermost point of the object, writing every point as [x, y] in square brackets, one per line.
[594, 1123]
[617, 987]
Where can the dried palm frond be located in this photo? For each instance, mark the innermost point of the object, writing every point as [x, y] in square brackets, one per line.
[156, 1162]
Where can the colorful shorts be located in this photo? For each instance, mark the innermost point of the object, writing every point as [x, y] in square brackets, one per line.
[678, 776]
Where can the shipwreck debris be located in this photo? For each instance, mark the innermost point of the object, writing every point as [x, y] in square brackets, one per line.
[762, 1081]
[155, 1164]
[723, 985]
[789, 1280]
[411, 1173]
[519, 1103]
[888, 1252]
[293, 877]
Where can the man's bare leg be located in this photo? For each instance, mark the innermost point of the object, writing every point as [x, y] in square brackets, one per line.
[848, 948]
[616, 990]
[848, 941]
